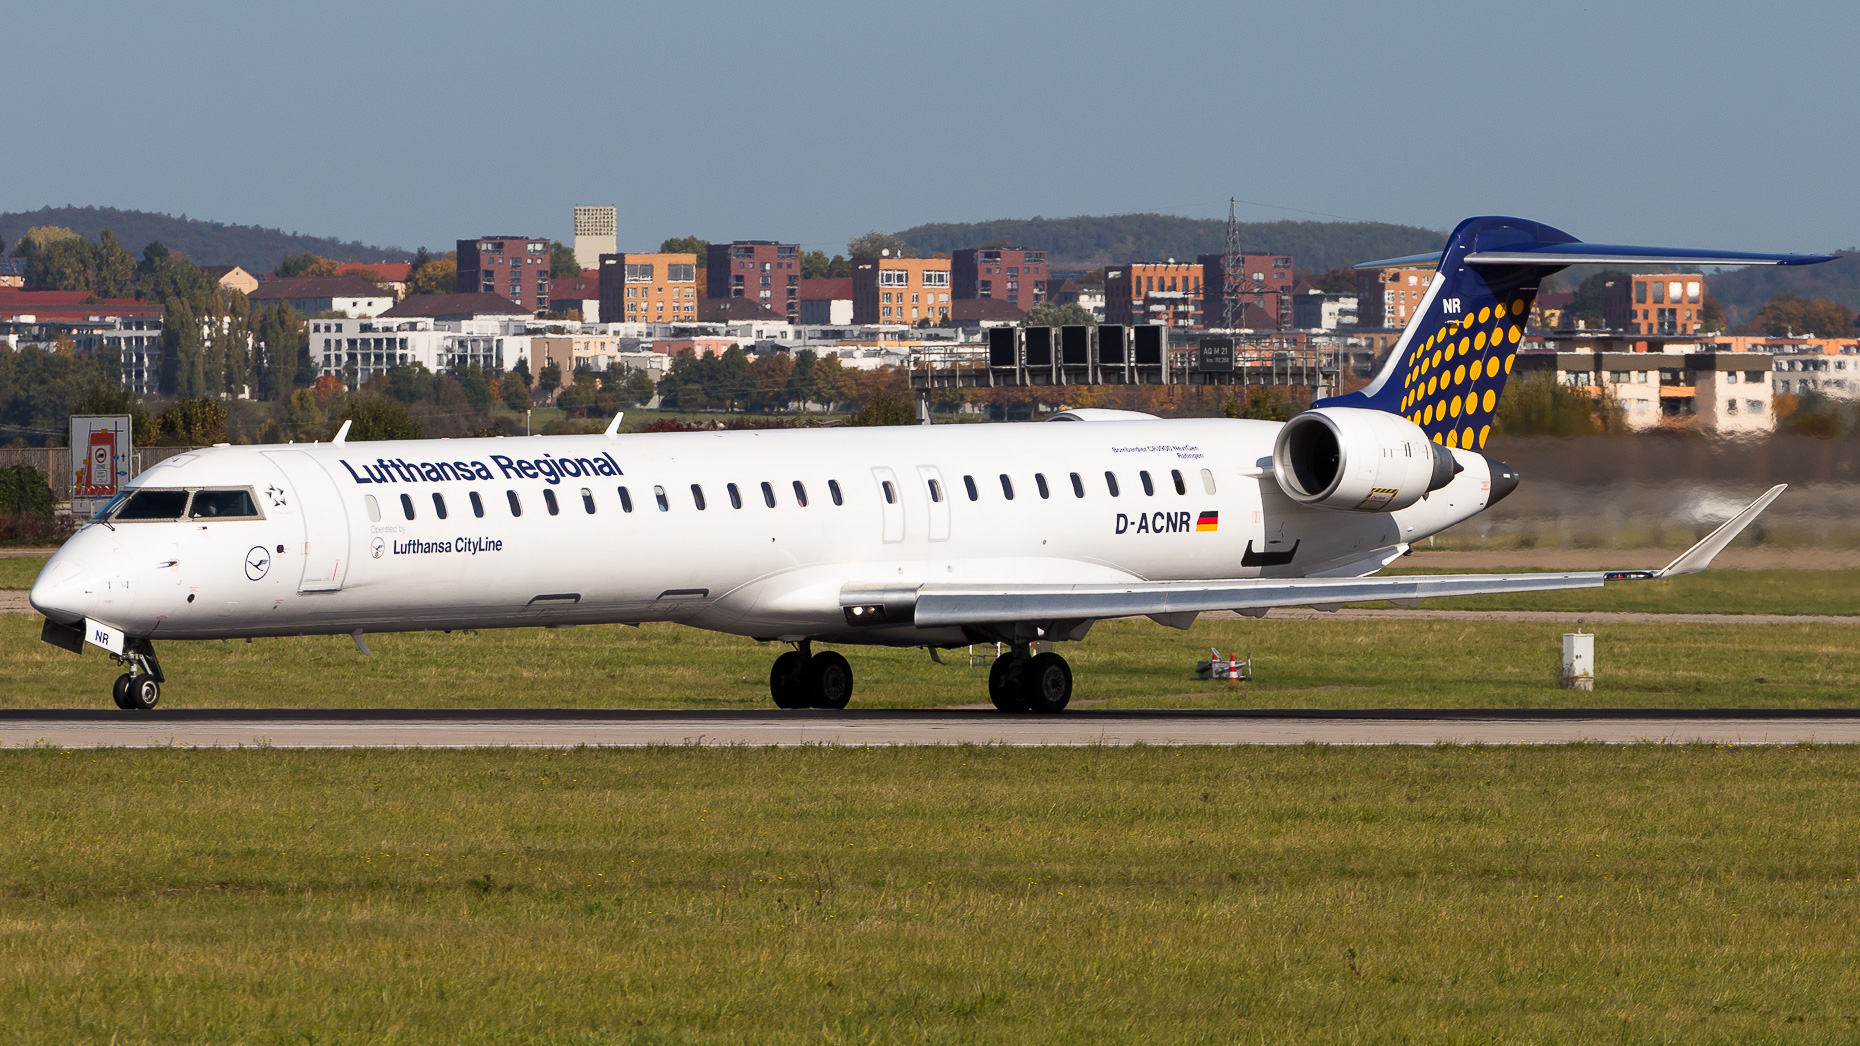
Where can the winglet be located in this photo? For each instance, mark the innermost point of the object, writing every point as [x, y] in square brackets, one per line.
[613, 427]
[342, 434]
[1699, 556]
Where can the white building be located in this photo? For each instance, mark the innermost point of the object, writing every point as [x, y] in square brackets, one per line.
[595, 235]
[357, 350]
[318, 295]
[1320, 311]
[1837, 377]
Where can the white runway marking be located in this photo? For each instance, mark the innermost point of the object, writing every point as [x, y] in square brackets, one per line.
[228, 730]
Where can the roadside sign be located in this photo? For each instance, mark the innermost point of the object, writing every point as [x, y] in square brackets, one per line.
[101, 446]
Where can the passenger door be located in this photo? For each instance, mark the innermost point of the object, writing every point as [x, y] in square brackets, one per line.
[891, 500]
[325, 522]
[937, 493]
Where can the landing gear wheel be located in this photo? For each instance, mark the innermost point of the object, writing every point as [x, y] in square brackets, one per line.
[143, 693]
[787, 680]
[1046, 683]
[829, 681]
[120, 692]
[1004, 683]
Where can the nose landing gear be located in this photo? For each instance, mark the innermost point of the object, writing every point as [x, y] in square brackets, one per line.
[138, 689]
[1022, 681]
[801, 678]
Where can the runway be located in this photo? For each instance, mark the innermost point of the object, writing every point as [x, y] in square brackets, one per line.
[513, 728]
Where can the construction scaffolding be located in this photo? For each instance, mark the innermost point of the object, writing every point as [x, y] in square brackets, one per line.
[1110, 354]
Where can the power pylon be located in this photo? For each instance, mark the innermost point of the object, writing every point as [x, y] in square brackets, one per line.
[1232, 266]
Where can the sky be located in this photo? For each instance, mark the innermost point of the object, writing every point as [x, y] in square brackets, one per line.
[1711, 123]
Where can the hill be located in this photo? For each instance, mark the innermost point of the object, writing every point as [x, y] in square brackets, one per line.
[1088, 242]
[1744, 291]
[207, 243]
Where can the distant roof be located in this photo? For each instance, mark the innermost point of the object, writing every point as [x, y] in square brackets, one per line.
[578, 288]
[1555, 299]
[834, 288]
[217, 271]
[69, 305]
[316, 287]
[985, 309]
[12, 266]
[734, 310]
[440, 306]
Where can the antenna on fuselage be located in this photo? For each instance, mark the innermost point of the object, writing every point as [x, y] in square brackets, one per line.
[613, 427]
[342, 434]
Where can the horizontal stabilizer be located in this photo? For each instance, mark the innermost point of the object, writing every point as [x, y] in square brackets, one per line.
[1617, 254]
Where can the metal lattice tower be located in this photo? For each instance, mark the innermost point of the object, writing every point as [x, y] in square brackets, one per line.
[1232, 266]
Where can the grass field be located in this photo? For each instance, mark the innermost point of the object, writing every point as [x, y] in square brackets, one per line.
[977, 895]
[1299, 664]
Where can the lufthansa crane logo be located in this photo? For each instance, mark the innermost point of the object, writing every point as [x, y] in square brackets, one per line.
[257, 562]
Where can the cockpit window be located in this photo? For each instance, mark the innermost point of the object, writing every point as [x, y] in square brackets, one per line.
[154, 504]
[222, 504]
[110, 505]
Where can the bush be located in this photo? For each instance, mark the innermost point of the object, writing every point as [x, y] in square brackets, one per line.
[25, 505]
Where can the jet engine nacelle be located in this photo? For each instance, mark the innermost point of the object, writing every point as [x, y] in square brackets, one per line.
[1357, 459]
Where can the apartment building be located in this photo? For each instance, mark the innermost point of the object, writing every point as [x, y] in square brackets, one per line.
[900, 290]
[1016, 275]
[595, 235]
[649, 288]
[516, 267]
[357, 350]
[1263, 282]
[1662, 303]
[573, 352]
[1390, 297]
[1167, 293]
[1728, 392]
[762, 271]
[312, 295]
[827, 301]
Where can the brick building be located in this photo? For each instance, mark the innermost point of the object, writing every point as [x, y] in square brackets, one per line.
[1265, 282]
[900, 290]
[649, 288]
[515, 267]
[1390, 297]
[763, 271]
[1164, 293]
[1014, 275]
[1660, 303]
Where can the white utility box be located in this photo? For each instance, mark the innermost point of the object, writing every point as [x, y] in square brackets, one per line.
[1579, 661]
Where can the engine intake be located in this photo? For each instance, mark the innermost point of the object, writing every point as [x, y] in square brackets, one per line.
[1359, 460]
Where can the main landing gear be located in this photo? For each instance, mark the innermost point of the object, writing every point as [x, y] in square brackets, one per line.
[1022, 681]
[804, 679]
[138, 689]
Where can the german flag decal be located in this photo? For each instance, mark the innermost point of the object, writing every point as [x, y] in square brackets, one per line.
[1208, 521]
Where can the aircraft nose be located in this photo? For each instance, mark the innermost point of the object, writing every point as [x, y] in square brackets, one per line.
[62, 590]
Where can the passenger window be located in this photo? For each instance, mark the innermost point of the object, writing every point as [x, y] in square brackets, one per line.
[1148, 487]
[891, 496]
[1078, 486]
[406, 505]
[1039, 480]
[697, 496]
[768, 495]
[936, 491]
[516, 507]
[736, 496]
[374, 508]
[222, 504]
[1007, 487]
[439, 504]
[969, 482]
[587, 500]
[549, 502]
[658, 495]
[833, 488]
[477, 505]
[800, 494]
[1110, 483]
[626, 500]
[1207, 481]
[154, 504]
[1180, 487]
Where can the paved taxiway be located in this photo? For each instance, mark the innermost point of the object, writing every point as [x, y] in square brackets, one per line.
[388, 728]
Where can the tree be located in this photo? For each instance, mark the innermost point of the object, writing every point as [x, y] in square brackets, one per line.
[377, 417]
[1260, 403]
[885, 408]
[420, 260]
[1539, 405]
[196, 422]
[686, 245]
[562, 263]
[832, 383]
[104, 398]
[639, 387]
[307, 264]
[39, 237]
[1336, 281]
[876, 244]
[1711, 314]
[181, 371]
[477, 388]
[1046, 314]
[549, 378]
[1787, 314]
[814, 265]
[440, 276]
[306, 418]
[1587, 305]
[769, 382]
[514, 391]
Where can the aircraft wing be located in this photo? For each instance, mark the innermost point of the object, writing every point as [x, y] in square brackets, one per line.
[934, 605]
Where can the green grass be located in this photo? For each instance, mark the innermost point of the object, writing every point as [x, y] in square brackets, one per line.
[1300, 664]
[975, 895]
[1714, 591]
[18, 572]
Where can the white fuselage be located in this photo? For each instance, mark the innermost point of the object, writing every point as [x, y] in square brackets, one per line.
[352, 559]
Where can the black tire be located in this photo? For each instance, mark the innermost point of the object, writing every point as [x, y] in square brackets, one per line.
[829, 681]
[143, 693]
[119, 692]
[1004, 683]
[787, 680]
[1046, 684]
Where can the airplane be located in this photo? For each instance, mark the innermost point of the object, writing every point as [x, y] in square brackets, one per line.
[940, 536]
